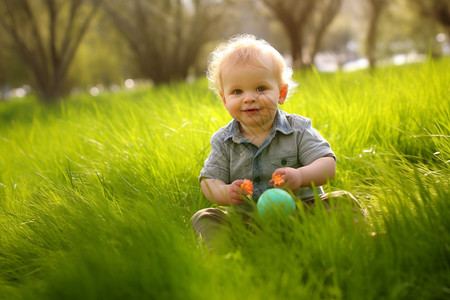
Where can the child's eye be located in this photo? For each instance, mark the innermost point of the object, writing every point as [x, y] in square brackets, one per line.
[237, 92]
[260, 89]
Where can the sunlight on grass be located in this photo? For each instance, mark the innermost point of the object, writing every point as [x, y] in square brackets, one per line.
[96, 195]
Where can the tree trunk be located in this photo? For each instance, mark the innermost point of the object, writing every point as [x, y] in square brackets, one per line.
[296, 47]
[331, 9]
[376, 7]
[46, 38]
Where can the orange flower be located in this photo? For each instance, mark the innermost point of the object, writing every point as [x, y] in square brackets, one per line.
[247, 186]
[277, 180]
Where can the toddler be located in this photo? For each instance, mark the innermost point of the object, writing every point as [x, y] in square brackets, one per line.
[252, 80]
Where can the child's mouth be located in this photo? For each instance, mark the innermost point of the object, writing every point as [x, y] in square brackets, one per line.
[251, 110]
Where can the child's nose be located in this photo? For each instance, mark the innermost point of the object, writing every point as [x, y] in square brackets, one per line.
[250, 97]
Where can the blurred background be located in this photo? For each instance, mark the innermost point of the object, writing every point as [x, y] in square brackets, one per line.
[53, 48]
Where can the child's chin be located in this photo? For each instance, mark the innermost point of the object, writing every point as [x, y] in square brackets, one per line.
[257, 122]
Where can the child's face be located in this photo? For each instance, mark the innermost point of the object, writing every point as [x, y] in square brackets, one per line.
[251, 94]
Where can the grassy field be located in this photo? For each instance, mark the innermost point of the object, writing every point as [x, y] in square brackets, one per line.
[96, 196]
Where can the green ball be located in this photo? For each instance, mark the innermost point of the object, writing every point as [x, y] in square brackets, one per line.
[275, 202]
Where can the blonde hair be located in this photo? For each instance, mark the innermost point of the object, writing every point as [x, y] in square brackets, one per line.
[246, 49]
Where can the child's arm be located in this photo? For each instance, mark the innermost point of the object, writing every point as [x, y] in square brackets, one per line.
[318, 172]
[222, 194]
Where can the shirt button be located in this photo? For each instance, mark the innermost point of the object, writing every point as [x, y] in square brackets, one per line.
[257, 179]
[283, 162]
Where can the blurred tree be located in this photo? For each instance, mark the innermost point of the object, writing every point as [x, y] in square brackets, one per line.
[325, 14]
[294, 15]
[404, 33]
[339, 42]
[303, 19]
[45, 34]
[2, 81]
[254, 17]
[166, 36]
[12, 72]
[376, 7]
[439, 10]
[103, 57]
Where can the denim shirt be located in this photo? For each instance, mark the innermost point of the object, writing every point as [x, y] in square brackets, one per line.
[292, 142]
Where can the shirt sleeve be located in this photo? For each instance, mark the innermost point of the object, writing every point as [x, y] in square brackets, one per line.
[217, 164]
[312, 145]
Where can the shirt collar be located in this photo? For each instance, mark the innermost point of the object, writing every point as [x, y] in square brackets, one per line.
[280, 124]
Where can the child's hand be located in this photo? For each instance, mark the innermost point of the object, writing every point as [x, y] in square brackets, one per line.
[292, 178]
[235, 192]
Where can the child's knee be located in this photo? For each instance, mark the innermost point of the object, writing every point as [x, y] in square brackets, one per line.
[208, 217]
[209, 225]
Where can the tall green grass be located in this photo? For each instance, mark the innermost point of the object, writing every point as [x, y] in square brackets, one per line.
[96, 195]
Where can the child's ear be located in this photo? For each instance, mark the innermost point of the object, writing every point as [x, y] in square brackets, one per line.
[283, 94]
